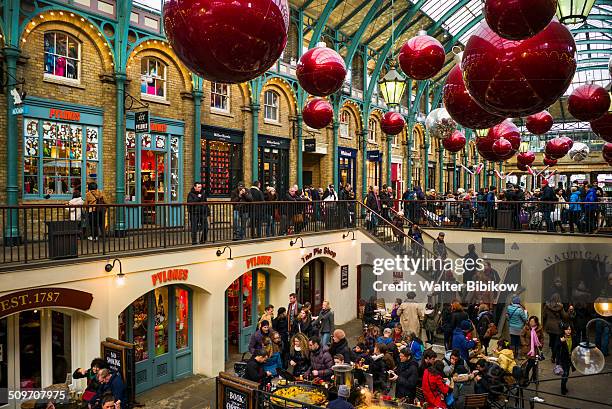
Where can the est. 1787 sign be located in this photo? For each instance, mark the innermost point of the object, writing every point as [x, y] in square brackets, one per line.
[44, 297]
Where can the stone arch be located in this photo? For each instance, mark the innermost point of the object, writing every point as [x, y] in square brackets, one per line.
[355, 113]
[284, 89]
[74, 24]
[162, 50]
[236, 274]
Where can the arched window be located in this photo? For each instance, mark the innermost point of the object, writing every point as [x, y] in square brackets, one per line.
[372, 130]
[271, 106]
[62, 56]
[153, 77]
[219, 96]
[344, 125]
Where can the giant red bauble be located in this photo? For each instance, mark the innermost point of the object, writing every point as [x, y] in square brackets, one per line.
[321, 71]
[318, 113]
[525, 158]
[503, 148]
[519, 19]
[485, 148]
[557, 148]
[602, 127]
[227, 41]
[568, 141]
[461, 107]
[506, 130]
[588, 102]
[519, 78]
[540, 123]
[392, 123]
[421, 57]
[549, 161]
[523, 167]
[455, 142]
[606, 151]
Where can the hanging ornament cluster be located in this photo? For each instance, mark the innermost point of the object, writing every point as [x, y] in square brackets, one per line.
[557, 148]
[392, 123]
[455, 142]
[519, 19]
[440, 124]
[549, 161]
[501, 142]
[227, 41]
[602, 127]
[321, 71]
[462, 107]
[540, 123]
[318, 113]
[579, 152]
[525, 158]
[588, 102]
[518, 78]
[421, 57]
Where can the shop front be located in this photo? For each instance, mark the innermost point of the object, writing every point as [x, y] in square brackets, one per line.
[159, 324]
[61, 148]
[273, 159]
[37, 329]
[397, 182]
[314, 152]
[374, 169]
[310, 284]
[246, 299]
[347, 166]
[154, 171]
[221, 160]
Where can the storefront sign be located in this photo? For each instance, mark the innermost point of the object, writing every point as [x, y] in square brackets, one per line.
[20, 110]
[374, 156]
[274, 142]
[161, 128]
[310, 145]
[175, 274]
[44, 297]
[258, 261]
[119, 356]
[234, 392]
[344, 277]
[576, 255]
[64, 115]
[141, 122]
[317, 251]
[347, 152]
[214, 133]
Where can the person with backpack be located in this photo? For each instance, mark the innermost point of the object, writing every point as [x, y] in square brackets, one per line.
[517, 317]
[94, 202]
[485, 326]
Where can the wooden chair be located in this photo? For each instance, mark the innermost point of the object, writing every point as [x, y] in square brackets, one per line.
[476, 401]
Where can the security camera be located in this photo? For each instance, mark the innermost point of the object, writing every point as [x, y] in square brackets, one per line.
[108, 268]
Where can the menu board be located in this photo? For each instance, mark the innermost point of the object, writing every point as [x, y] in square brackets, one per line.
[119, 356]
[344, 277]
[234, 392]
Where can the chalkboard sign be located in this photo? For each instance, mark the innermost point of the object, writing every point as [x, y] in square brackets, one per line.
[344, 277]
[235, 399]
[119, 356]
[234, 392]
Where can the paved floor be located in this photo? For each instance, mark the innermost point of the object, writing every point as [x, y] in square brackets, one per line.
[198, 392]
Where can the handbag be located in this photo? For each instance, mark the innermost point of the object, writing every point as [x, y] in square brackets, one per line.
[558, 370]
[450, 400]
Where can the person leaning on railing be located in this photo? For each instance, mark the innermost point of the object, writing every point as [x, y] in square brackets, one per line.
[94, 202]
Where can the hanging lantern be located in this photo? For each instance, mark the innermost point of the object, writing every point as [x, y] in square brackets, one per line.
[602, 127]
[227, 41]
[540, 123]
[588, 102]
[519, 19]
[392, 87]
[392, 123]
[321, 71]
[574, 11]
[318, 113]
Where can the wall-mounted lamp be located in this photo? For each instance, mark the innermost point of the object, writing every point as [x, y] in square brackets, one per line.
[120, 277]
[230, 260]
[294, 242]
[352, 234]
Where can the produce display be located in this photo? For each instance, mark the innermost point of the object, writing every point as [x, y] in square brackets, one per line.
[300, 394]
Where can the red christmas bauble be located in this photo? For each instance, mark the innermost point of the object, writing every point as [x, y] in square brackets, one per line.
[519, 19]
[461, 107]
[606, 151]
[503, 148]
[522, 167]
[321, 71]
[556, 148]
[525, 158]
[455, 142]
[540, 123]
[588, 102]
[421, 57]
[519, 78]
[506, 130]
[568, 141]
[485, 148]
[602, 127]
[392, 123]
[549, 161]
[318, 113]
[227, 41]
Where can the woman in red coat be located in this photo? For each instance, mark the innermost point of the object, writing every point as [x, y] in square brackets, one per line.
[434, 387]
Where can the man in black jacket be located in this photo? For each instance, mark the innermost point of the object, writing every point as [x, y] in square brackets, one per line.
[406, 376]
[254, 368]
[198, 213]
[374, 203]
[240, 197]
[548, 195]
[256, 209]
